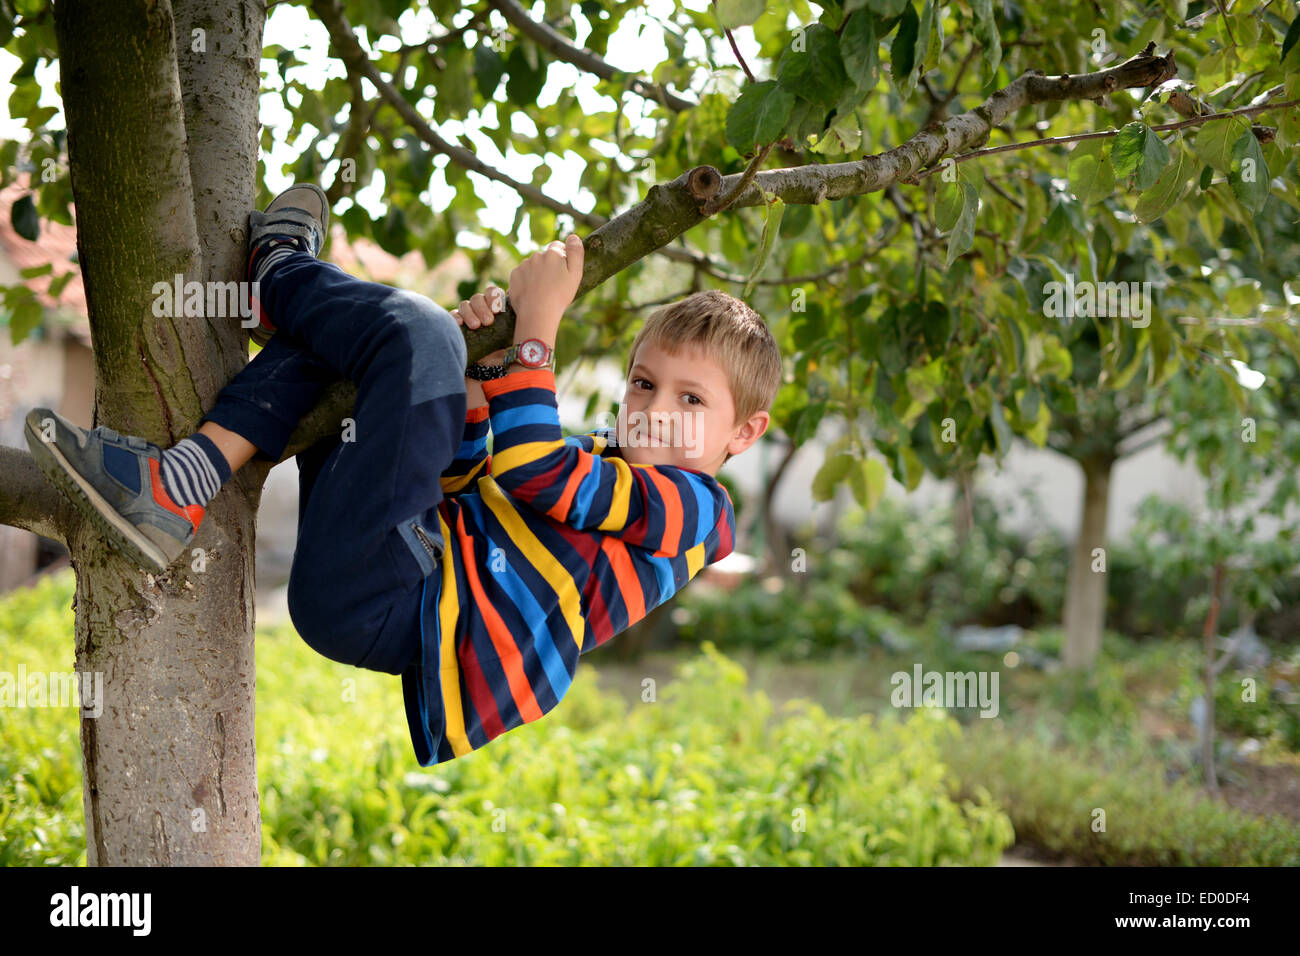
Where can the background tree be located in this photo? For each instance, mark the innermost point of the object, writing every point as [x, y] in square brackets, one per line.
[941, 361]
[1246, 539]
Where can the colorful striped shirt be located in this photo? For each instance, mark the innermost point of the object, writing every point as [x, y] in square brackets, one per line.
[553, 546]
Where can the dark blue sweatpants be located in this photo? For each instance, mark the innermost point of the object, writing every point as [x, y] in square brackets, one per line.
[355, 584]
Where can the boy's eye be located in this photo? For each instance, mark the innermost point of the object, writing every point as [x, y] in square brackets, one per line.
[696, 400]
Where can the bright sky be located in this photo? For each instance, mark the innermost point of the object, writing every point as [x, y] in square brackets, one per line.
[637, 46]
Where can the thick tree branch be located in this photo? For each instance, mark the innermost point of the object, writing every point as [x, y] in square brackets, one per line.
[560, 47]
[28, 500]
[361, 116]
[671, 209]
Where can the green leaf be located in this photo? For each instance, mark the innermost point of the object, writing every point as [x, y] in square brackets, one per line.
[830, 474]
[884, 9]
[924, 33]
[986, 32]
[391, 234]
[1139, 154]
[1292, 35]
[1249, 175]
[867, 480]
[860, 50]
[24, 98]
[739, 13]
[759, 115]
[902, 54]
[963, 233]
[1090, 173]
[1244, 298]
[1056, 360]
[26, 317]
[489, 67]
[31, 272]
[58, 283]
[910, 468]
[775, 209]
[948, 204]
[1001, 430]
[809, 419]
[524, 83]
[24, 219]
[1215, 140]
[1157, 200]
[811, 66]
[936, 326]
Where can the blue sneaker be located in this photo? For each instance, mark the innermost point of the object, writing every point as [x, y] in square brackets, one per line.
[115, 481]
[301, 212]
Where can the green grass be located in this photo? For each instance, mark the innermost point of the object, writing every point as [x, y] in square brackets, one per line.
[708, 773]
[729, 764]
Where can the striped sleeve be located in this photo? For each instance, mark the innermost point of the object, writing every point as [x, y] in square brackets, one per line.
[665, 509]
[472, 460]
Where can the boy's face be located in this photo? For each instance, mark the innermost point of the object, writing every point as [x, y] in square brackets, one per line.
[678, 410]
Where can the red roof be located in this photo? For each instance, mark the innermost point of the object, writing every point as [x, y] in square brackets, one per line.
[55, 244]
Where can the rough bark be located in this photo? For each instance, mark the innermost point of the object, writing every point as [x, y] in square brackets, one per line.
[1085, 599]
[170, 773]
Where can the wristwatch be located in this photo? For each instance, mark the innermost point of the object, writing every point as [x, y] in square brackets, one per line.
[530, 353]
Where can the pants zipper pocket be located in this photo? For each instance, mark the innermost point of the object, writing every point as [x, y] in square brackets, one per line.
[428, 545]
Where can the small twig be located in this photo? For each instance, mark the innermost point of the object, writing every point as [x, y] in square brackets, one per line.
[1102, 134]
[735, 49]
[719, 203]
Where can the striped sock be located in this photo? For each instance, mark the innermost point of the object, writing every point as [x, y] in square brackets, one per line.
[193, 470]
[272, 251]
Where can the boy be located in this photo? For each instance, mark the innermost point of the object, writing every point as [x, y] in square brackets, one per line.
[479, 579]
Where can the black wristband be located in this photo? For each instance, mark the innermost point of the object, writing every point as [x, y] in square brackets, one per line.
[481, 373]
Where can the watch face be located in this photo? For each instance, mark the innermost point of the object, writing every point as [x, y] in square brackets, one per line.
[532, 352]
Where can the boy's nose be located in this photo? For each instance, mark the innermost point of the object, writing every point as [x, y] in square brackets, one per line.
[660, 425]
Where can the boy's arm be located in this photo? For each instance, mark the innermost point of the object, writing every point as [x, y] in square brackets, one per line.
[472, 461]
[665, 509]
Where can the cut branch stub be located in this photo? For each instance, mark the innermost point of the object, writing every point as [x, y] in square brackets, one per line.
[703, 183]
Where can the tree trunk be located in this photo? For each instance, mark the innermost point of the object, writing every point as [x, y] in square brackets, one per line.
[1085, 599]
[778, 538]
[1211, 674]
[162, 164]
[963, 506]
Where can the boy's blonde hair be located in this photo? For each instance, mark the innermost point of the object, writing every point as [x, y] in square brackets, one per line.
[728, 331]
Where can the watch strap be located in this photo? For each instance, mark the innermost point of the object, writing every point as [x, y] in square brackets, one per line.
[483, 373]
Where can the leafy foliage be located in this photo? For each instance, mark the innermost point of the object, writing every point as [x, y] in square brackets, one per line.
[706, 774]
[951, 351]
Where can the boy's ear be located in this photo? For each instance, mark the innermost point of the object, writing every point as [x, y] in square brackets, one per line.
[749, 433]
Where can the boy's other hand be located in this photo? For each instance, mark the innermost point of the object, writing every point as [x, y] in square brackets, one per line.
[479, 311]
[543, 286]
